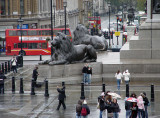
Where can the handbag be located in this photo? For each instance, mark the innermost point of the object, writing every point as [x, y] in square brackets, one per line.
[121, 81]
[98, 107]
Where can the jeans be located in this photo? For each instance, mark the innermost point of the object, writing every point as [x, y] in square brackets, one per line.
[118, 84]
[140, 113]
[128, 113]
[85, 77]
[85, 116]
[89, 78]
[115, 115]
[146, 112]
[100, 114]
[78, 116]
[14, 69]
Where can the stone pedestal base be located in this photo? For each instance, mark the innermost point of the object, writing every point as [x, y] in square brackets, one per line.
[144, 46]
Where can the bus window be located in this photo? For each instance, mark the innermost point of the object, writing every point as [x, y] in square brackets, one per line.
[15, 45]
[56, 31]
[24, 45]
[32, 32]
[46, 32]
[44, 45]
[24, 33]
[12, 33]
[67, 32]
[32, 45]
[39, 32]
[39, 45]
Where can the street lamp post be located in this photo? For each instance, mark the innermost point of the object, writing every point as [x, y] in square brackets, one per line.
[51, 23]
[117, 27]
[109, 5]
[54, 6]
[20, 21]
[65, 5]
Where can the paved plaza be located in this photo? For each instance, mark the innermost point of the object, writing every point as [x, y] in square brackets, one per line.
[37, 106]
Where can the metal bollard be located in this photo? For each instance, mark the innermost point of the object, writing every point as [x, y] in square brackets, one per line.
[40, 57]
[82, 91]
[152, 93]
[103, 88]
[13, 84]
[9, 68]
[21, 86]
[2, 67]
[6, 68]
[127, 90]
[32, 87]
[46, 89]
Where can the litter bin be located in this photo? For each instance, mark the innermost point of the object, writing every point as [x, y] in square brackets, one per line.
[19, 61]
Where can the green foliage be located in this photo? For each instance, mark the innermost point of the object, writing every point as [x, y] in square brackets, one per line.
[140, 5]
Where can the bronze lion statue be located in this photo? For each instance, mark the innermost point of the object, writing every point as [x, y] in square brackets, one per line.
[81, 36]
[65, 52]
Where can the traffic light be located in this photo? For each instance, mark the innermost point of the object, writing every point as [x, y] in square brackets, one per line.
[111, 33]
[105, 35]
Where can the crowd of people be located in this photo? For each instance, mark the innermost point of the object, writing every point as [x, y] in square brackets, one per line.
[136, 107]
[87, 74]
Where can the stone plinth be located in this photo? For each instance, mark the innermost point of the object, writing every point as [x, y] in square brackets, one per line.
[130, 32]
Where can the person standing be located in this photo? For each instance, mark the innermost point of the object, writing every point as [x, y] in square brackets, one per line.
[118, 76]
[61, 97]
[134, 110]
[84, 71]
[101, 101]
[146, 102]
[78, 109]
[140, 105]
[128, 107]
[89, 74]
[14, 64]
[126, 75]
[85, 110]
[116, 108]
[35, 75]
[2, 77]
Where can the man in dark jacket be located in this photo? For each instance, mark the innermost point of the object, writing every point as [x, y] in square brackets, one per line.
[128, 106]
[35, 75]
[61, 97]
[84, 71]
[101, 102]
[2, 77]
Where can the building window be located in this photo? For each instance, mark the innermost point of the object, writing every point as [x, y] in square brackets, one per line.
[59, 4]
[2, 7]
[22, 6]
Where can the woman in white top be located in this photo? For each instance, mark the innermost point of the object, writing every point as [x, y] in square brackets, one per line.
[126, 75]
[118, 76]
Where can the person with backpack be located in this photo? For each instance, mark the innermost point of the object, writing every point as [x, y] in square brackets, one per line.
[79, 108]
[101, 101]
[146, 104]
[85, 110]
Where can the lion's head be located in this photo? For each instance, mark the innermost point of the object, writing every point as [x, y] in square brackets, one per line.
[62, 44]
[80, 32]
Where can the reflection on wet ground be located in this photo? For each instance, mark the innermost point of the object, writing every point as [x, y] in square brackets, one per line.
[24, 105]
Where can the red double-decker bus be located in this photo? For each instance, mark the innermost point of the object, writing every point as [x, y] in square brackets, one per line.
[95, 21]
[34, 41]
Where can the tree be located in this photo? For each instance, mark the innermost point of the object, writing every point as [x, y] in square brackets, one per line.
[140, 5]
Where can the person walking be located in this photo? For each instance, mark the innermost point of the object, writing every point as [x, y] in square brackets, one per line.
[118, 76]
[89, 74]
[128, 106]
[126, 75]
[78, 109]
[140, 105]
[14, 64]
[84, 72]
[85, 110]
[101, 101]
[61, 97]
[2, 77]
[146, 103]
[35, 75]
[116, 108]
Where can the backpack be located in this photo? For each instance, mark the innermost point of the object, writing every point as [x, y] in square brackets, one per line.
[84, 111]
